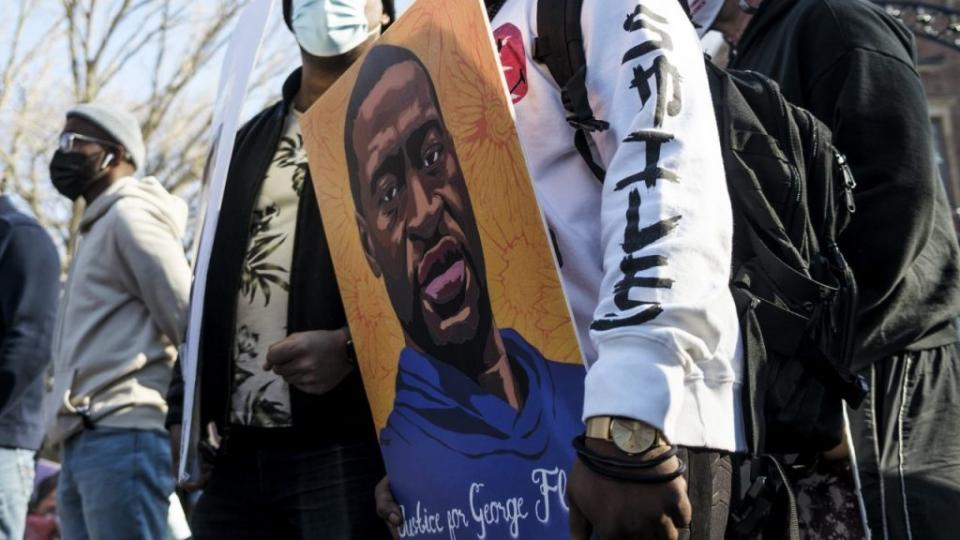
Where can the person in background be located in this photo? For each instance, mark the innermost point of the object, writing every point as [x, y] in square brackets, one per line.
[29, 288]
[854, 66]
[122, 313]
[290, 442]
[42, 523]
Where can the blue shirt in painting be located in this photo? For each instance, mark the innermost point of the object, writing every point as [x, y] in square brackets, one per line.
[464, 464]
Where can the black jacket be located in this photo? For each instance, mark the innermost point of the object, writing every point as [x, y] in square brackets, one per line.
[854, 67]
[29, 289]
[339, 415]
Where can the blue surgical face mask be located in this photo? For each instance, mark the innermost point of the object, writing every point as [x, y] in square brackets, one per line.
[330, 27]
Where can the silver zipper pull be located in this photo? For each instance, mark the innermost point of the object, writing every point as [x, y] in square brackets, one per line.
[848, 181]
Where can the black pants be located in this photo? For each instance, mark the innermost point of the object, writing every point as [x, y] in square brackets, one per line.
[270, 486]
[907, 439]
[708, 486]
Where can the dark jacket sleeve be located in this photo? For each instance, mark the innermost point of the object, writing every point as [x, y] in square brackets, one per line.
[879, 120]
[29, 290]
[862, 81]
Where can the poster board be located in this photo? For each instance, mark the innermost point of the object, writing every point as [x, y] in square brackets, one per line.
[463, 336]
[238, 62]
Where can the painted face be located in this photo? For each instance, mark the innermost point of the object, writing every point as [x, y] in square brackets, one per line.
[415, 217]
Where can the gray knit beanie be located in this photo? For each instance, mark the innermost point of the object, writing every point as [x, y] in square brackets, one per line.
[120, 124]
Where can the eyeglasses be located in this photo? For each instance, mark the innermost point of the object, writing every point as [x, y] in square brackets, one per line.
[70, 142]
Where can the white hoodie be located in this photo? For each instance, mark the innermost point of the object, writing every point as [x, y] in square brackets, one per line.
[122, 311]
[645, 258]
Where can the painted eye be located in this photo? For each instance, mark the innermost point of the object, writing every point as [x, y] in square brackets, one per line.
[432, 155]
[389, 194]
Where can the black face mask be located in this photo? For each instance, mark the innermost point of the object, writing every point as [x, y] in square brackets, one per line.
[72, 173]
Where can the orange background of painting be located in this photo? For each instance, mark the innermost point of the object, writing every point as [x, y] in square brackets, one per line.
[524, 285]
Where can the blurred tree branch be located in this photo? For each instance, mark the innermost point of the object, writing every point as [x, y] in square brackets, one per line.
[153, 57]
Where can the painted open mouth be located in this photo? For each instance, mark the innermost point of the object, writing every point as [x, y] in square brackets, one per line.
[443, 277]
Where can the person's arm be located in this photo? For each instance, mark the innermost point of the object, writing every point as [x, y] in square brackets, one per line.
[874, 102]
[157, 272]
[665, 315]
[156, 268]
[29, 289]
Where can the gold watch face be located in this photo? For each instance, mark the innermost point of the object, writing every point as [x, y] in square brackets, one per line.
[631, 436]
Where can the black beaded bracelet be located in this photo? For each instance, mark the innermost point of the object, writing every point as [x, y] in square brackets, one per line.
[613, 467]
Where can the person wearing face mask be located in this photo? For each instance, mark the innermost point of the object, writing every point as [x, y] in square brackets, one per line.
[121, 316]
[290, 446]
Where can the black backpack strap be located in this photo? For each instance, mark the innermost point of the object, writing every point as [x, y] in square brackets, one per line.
[792, 517]
[582, 145]
[559, 45]
[766, 501]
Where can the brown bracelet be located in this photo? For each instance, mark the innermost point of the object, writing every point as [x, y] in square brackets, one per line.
[613, 467]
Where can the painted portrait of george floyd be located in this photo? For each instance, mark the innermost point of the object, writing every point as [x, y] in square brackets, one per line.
[462, 333]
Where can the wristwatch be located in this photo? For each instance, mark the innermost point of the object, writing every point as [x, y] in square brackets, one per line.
[630, 436]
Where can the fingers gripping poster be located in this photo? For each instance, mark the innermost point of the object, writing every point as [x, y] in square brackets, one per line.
[463, 336]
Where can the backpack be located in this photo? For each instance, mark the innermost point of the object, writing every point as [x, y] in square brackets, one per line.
[791, 193]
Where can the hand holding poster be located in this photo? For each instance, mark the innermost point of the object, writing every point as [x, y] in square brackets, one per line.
[463, 336]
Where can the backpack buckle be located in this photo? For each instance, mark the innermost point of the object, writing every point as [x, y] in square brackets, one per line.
[573, 95]
[755, 506]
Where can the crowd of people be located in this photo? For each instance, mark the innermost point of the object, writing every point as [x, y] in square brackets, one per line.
[288, 444]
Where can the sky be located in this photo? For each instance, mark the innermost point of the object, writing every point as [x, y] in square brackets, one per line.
[138, 75]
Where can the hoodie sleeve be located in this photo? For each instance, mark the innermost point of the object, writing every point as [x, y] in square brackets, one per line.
[155, 267]
[29, 274]
[665, 327]
[873, 100]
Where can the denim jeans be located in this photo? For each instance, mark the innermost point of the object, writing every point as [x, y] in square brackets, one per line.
[115, 484]
[16, 486]
[264, 489]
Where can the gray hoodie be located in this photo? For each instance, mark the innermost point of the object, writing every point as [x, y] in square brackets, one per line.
[122, 312]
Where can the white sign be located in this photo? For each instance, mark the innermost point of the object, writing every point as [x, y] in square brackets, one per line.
[238, 62]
